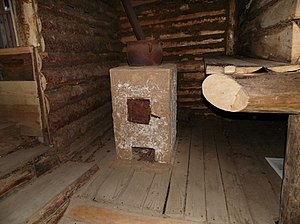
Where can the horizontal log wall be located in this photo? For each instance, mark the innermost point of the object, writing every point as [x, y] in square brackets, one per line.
[188, 30]
[269, 29]
[81, 44]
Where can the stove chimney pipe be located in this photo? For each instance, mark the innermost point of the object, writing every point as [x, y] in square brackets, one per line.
[133, 20]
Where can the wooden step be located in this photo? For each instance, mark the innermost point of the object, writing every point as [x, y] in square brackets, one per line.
[19, 167]
[46, 199]
[83, 211]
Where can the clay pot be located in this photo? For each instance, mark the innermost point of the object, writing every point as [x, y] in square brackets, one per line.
[144, 52]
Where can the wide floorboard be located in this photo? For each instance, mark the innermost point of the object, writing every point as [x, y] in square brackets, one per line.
[219, 175]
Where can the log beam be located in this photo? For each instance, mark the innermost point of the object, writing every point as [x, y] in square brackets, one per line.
[290, 193]
[268, 93]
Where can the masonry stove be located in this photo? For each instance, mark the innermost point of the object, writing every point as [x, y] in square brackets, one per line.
[144, 110]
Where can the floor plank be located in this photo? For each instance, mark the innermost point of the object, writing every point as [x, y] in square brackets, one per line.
[215, 198]
[176, 199]
[104, 159]
[156, 198]
[262, 201]
[134, 196]
[238, 209]
[219, 176]
[112, 187]
[270, 145]
[195, 198]
[91, 213]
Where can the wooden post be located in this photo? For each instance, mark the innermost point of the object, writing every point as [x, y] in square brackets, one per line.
[290, 194]
[230, 39]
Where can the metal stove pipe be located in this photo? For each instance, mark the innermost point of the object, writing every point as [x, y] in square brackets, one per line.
[133, 20]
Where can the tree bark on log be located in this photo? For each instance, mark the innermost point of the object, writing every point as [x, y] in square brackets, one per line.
[64, 96]
[290, 194]
[55, 78]
[55, 60]
[67, 134]
[278, 93]
[72, 112]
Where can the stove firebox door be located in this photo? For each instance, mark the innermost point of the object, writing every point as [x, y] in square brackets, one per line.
[139, 111]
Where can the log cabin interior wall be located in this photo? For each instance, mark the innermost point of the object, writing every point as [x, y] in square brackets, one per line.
[80, 46]
[269, 29]
[188, 31]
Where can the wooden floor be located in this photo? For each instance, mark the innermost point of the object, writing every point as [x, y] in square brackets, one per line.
[219, 175]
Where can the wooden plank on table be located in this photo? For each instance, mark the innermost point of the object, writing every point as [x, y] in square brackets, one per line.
[214, 61]
[112, 187]
[274, 65]
[157, 195]
[285, 68]
[238, 209]
[238, 62]
[263, 62]
[177, 192]
[215, 198]
[226, 64]
[220, 65]
[263, 203]
[228, 60]
[214, 69]
[195, 209]
[245, 70]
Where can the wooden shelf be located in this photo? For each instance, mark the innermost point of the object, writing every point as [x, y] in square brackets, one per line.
[16, 50]
[243, 65]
